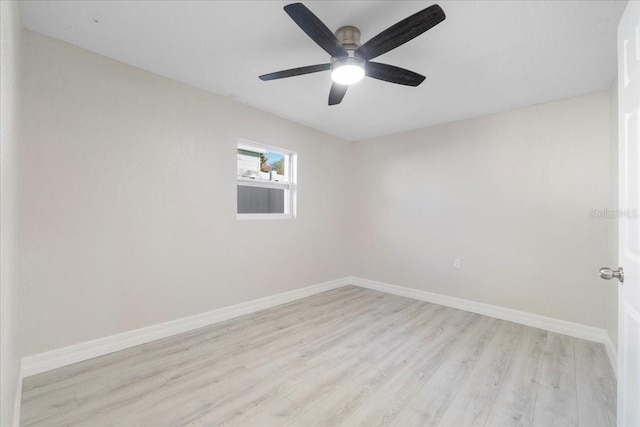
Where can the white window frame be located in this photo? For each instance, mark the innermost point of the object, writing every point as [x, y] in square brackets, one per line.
[289, 185]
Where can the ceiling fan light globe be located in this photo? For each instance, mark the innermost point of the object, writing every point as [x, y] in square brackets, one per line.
[347, 71]
[347, 74]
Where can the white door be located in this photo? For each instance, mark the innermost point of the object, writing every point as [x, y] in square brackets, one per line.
[629, 229]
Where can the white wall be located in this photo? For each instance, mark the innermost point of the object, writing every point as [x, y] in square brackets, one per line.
[129, 200]
[9, 329]
[509, 194]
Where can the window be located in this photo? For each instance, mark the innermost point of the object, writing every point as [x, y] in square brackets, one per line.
[266, 181]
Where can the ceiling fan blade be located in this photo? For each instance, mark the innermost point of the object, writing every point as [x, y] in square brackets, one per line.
[336, 93]
[315, 29]
[402, 32]
[295, 72]
[390, 73]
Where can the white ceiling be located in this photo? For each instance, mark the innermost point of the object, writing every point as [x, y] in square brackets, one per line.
[487, 56]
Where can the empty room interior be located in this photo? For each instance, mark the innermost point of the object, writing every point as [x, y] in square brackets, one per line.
[369, 213]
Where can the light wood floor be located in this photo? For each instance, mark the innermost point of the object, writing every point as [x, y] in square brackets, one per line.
[349, 357]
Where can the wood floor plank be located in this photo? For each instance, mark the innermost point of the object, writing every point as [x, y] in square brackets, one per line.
[329, 403]
[387, 403]
[248, 349]
[272, 413]
[315, 363]
[596, 388]
[427, 408]
[349, 356]
[556, 405]
[196, 395]
[471, 405]
[515, 402]
[48, 404]
[354, 390]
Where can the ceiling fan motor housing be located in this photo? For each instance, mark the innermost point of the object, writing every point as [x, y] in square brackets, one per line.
[349, 36]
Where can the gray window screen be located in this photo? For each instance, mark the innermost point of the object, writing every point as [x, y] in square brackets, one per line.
[258, 200]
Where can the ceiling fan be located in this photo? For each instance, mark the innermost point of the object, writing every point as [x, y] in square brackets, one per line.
[350, 61]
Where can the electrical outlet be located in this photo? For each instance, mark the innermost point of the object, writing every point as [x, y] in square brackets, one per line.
[456, 263]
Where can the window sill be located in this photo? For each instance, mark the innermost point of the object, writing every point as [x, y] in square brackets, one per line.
[263, 216]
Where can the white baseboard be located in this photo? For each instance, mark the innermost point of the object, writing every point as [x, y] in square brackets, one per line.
[17, 405]
[43, 362]
[612, 354]
[547, 323]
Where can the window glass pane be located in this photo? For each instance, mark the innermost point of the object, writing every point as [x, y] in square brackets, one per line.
[275, 164]
[262, 164]
[260, 200]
